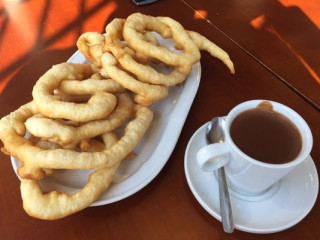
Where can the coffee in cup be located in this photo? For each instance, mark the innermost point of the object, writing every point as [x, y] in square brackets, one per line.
[264, 141]
[266, 135]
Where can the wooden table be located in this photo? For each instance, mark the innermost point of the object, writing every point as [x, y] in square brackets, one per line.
[275, 50]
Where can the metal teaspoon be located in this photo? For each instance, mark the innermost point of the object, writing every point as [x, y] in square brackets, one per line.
[214, 134]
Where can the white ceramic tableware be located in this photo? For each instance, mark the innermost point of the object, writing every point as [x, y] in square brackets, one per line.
[246, 175]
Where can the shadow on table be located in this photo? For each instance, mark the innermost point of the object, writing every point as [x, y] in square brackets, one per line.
[283, 39]
[19, 76]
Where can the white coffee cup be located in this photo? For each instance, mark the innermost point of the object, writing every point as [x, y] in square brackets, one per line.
[246, 175]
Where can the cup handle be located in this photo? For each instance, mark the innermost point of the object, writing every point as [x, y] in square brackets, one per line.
[213, 156]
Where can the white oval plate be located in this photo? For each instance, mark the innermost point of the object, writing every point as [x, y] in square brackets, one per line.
[292, 201]
[153, 151]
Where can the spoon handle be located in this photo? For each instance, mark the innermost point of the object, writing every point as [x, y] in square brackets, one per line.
[225, 206]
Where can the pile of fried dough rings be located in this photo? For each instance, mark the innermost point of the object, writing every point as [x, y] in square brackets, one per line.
[77, 108]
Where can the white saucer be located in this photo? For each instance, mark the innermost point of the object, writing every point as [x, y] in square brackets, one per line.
[292, 201]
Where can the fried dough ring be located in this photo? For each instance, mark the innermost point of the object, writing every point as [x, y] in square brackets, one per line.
[90, 86]
[149, 75]
[100, 105]
[63, 134]
[12, 133]
[90, 44]
[137, 23]
[205, 44]
[65, 159]
[146, 93]
[126, 58]
[55, 205]
[26, 172]
[114, 38]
